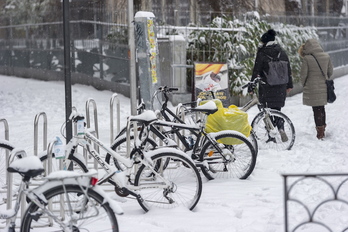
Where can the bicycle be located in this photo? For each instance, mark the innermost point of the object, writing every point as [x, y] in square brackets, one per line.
[272, 128]
[64, 200]
[224, 154]
[164, 178]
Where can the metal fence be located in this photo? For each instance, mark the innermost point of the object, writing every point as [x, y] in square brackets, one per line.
[99, 46]
[316, 202]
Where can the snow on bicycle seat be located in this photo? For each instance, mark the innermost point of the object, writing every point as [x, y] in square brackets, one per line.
[29, 166]
[207, 108]
[147, 116]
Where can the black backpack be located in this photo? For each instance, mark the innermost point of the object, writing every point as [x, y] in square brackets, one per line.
[278, 73]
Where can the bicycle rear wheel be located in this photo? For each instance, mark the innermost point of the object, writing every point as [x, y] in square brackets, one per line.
[238, 158]
[95, 215]
[186, 182]
[274, 139]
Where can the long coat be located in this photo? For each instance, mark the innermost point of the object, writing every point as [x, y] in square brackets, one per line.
[313, 81]
[270, 96]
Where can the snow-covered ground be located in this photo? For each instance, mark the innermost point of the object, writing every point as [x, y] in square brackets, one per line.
[252, 205]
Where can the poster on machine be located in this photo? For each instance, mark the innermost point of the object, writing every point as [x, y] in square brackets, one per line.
[211, 81]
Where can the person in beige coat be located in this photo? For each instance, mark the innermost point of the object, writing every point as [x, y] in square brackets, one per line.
[313, 81]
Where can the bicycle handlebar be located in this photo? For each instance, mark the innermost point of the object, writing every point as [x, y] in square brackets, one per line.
[253, 83]
[75, 116]
[167, 89]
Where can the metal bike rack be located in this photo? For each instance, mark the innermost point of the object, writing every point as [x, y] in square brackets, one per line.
[48, 163]
[180, 110]
[36, 141]
[114, 100]
[88, 121]
[8, 175]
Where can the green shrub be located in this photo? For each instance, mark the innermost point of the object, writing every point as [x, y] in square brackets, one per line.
[237, 42]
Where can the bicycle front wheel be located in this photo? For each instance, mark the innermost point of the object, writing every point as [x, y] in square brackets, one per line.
[86, 212]
[185, 182]
[282, 137]
[237, 159]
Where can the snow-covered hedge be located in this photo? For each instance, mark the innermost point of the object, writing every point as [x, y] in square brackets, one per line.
[238, 47]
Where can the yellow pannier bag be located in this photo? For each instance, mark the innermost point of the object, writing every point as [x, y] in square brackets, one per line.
[231, 118]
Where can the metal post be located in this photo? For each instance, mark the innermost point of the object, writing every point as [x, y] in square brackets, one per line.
[67, 68]
[132, 61]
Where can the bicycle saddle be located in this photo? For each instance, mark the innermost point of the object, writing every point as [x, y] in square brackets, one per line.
[29, 166]
[207, 108]
[146, 117]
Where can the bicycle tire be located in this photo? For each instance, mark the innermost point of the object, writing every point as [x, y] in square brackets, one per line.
[253, 140]
[104, 221]
[273, 141]
[180, 171]
[120, 146]
[239, 162]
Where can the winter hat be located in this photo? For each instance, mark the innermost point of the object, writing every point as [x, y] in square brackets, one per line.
[268, 36]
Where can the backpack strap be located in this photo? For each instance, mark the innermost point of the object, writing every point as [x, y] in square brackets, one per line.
[272, 58]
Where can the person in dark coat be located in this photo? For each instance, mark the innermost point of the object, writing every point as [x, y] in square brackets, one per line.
[313, 81]
[271, 96]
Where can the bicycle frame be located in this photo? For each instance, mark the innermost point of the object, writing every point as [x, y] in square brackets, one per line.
[113, 173]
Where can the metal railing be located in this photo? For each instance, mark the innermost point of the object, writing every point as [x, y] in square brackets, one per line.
[310, 198]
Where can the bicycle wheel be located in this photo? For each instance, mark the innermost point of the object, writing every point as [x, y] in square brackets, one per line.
[253, 140]
[273, 139]
[186, 183]
[120, 146]
[95, 215]
[237, 161]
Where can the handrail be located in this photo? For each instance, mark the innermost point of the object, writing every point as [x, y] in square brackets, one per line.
[114, 100]
[36, 122]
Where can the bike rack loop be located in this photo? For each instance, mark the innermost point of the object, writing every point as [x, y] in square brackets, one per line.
[36, 141]
[180, 109]
[114, 100]
[88, 121]
[8, 175]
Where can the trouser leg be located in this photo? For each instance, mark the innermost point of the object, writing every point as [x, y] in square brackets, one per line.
[319, 115]
[320, 120]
